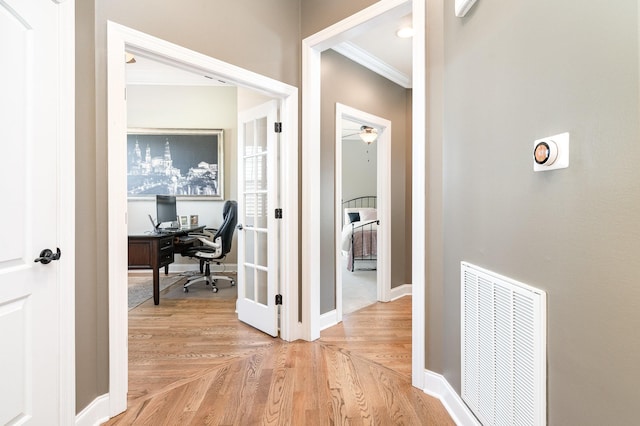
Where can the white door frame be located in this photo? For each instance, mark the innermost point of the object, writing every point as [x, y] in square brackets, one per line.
[312, 47]
[66, 212]
[120, 38]
[383, 195]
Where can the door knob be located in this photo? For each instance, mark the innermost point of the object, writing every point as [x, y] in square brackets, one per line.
[46, 256]
[240, 228]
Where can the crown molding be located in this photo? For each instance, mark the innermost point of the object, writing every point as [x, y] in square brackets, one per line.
[373, 63]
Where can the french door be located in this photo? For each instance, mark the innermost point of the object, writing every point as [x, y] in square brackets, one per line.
[258, 236]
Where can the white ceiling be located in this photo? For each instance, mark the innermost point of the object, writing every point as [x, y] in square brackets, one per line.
[382, 51]
[350, 130]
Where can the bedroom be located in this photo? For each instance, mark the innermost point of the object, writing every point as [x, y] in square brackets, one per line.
[356, 271]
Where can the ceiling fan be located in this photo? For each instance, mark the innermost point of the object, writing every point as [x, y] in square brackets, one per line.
[368, 134]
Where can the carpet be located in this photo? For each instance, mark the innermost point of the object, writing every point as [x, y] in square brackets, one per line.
[140, 287]
[359, 288]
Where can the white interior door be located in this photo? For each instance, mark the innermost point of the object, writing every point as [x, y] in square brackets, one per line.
[258, 237]
[30, 118]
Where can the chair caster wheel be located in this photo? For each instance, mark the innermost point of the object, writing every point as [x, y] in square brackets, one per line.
[185, 289]
[215, 289]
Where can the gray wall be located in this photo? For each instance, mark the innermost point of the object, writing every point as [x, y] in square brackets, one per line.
[348, 83]
[318, 14]
[359, 169]
[92, 350]
[263, 37]
[516, 72]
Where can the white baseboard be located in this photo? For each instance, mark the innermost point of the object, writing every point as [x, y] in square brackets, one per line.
[400, 291]
[438, 387]
[95, 413]
[328, 320]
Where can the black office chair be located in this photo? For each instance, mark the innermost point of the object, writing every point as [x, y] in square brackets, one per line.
[214, 248]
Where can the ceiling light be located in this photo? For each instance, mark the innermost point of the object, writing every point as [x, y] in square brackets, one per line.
[405, 32]
[368, 134]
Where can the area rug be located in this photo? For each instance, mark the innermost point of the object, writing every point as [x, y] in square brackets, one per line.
[140, 287]
[200, 290]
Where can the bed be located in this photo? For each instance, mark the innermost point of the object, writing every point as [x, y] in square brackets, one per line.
[360, 232]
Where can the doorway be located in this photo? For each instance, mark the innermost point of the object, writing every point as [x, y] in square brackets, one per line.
[356, 270]
[380, 190]
[121, 40]
[313, 47]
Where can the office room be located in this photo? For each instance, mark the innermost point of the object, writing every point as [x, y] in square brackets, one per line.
[172, 115]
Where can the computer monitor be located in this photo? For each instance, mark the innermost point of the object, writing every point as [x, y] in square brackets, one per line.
[166, 210]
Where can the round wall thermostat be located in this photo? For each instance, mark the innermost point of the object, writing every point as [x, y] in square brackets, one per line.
[545, 152]
[551, 153]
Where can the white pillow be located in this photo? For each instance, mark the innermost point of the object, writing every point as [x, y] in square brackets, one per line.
[368, 214]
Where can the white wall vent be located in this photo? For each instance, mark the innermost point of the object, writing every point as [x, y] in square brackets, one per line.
[504, 361]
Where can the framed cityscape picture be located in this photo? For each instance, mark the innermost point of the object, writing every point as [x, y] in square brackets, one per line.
[187, 163]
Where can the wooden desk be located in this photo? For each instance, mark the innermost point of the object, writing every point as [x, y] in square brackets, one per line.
[155, 250]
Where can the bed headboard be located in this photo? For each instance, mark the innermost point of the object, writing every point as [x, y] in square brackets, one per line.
[367, 201]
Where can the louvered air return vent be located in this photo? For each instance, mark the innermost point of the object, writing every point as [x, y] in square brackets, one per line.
[503, 349]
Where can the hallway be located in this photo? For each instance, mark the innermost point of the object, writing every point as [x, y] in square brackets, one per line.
[192, 362]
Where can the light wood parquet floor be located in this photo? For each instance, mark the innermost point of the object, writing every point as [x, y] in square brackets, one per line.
[191, 362]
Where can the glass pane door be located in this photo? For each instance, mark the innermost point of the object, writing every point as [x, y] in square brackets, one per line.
[257, 238]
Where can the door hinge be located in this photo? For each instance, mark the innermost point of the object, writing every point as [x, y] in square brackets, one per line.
[278, 299]
[277, 127]
[278, 213]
